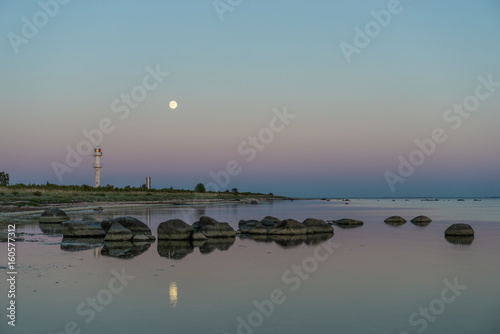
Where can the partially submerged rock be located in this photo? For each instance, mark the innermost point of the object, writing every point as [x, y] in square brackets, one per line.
[90, 219]
[51, 216]
[288, 227]
[459, 230]
[118, 232]
[421, 220]
[259, 229]
[174, 229]
[212, 228]
[346, 222]
[82, 229]
[244, 226]
[395, 220]
[133, 224]
[270, 221]
[197, 235]
[314, 225]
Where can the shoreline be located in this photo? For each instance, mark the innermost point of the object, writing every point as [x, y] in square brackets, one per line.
[18, 213]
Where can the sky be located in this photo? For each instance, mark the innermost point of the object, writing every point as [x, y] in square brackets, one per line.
[298, 98]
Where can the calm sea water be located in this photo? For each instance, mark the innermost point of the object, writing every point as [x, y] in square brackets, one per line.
[372, 279]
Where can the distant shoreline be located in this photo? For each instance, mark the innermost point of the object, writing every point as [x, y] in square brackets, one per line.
[20, 214]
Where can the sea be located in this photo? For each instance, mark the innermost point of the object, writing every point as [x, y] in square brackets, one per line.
[375, 278]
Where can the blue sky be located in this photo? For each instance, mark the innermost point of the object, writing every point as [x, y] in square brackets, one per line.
[353, 119]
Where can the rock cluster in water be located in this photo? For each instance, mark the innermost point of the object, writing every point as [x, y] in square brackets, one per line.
[274, 226]
[127, 237]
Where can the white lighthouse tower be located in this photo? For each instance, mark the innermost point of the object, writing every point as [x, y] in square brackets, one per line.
[97, 166]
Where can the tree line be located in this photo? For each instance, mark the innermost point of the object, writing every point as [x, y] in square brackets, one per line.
[199, 188]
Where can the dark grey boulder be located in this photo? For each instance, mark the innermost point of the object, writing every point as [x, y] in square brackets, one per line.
[133, 224]
[346, 222]
[288, 227]
[221, 230]
[118, 232]
[106, 224]
[259, 229]
[421, 220]
[174, 229]
[459, 230]
[212, 228]
[314, 225]
[82, 229]
[270, 221]
[90, 219]
[197, 235]
[53, 216]
[395, 220]
[244, 226]
[143, 238]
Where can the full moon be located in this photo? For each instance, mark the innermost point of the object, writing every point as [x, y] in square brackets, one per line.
[172, 104]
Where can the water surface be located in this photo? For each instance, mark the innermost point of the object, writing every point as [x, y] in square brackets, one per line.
[376, 278]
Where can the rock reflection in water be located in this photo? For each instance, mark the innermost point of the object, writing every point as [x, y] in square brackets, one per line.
[179, 249]
[256, 237]
[124, 249]
[465, 240]
[80, 244]
[53, 230]
[212, 244]
[289, 241]
[317, 238]
[175, 249]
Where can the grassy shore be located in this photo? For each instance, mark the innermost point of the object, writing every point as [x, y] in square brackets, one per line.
[18, 200]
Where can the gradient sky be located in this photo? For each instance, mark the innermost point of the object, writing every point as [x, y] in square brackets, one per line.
[353, 119]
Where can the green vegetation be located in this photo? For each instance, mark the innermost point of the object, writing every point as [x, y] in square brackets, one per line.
[4, 179]
[200, 188]
[36, 195]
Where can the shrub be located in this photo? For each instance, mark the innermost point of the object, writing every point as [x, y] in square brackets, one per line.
[200, 188]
